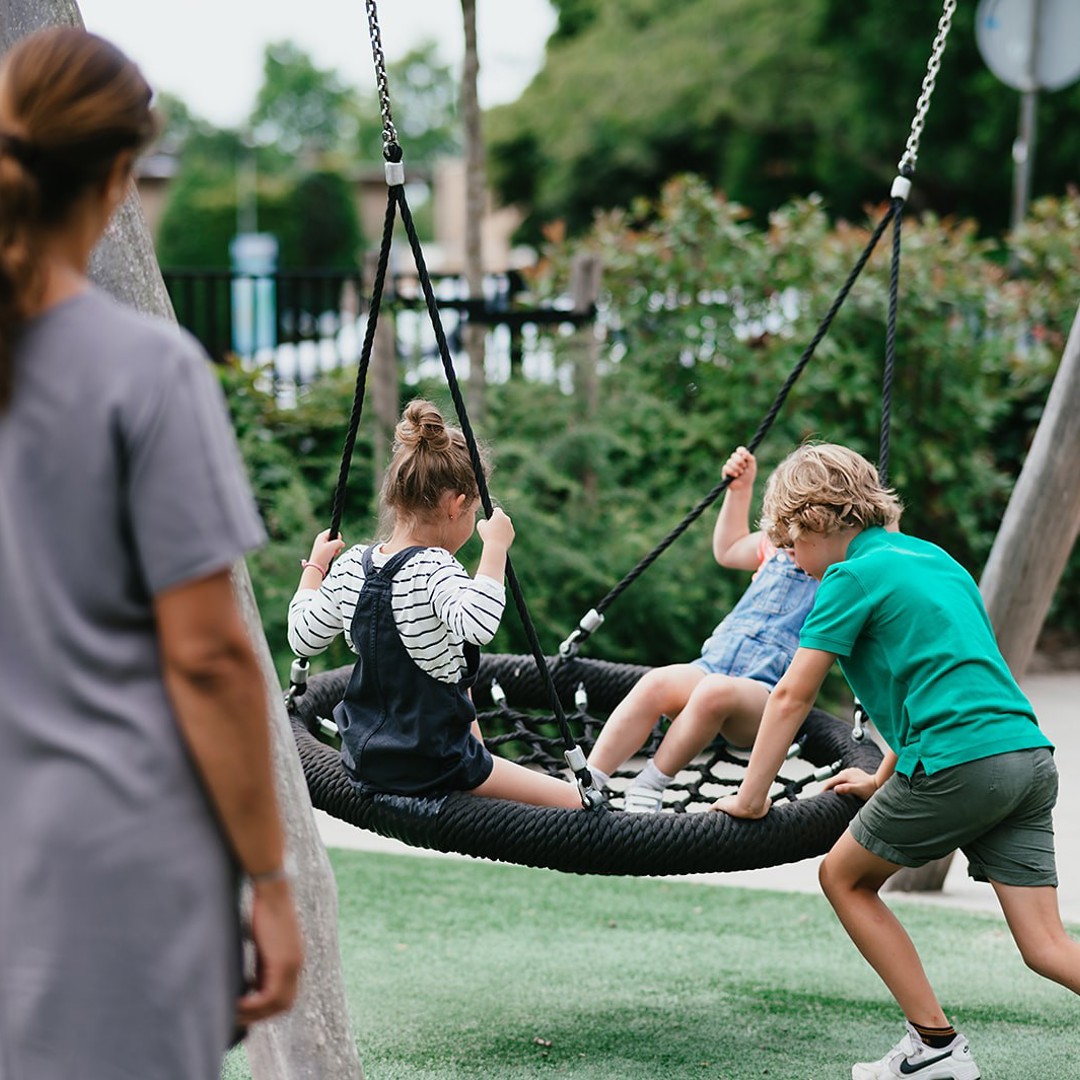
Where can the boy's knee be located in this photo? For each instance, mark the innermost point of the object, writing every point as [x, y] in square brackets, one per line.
[1044, 958]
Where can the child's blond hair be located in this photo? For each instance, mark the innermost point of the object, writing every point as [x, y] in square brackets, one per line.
[823, 488]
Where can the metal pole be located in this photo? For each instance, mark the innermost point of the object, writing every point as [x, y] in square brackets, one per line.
[1024, 146]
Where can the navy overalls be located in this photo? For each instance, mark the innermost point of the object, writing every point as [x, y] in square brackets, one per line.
[402, 730]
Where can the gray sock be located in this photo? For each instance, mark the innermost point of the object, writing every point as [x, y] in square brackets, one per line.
[600, 779]
[652, 777]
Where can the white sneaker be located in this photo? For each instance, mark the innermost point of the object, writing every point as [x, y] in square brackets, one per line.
[642, 800]
[912, 1057]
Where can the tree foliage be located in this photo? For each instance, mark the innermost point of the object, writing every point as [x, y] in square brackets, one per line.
[306, 134]
[768, 100]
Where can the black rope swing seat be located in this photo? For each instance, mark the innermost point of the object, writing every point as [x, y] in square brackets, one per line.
[577, 841]
[542, 710]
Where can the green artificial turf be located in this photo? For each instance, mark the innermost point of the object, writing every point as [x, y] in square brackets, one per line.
[466, 969]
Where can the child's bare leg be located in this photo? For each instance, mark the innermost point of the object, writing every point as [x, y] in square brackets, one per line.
[661, 692]
[718, 705]
[1035, 921]
[851, 877]
[509, 780]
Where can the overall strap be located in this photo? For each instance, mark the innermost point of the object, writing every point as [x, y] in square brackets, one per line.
[389, 568]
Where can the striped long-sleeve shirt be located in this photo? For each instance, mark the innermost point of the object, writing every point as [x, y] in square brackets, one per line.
[436, 605]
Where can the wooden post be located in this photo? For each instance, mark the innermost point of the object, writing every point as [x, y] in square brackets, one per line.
[313, 1040]
[383, 378]
[474, 337]
[1031, 548]
[1041, 522]
[585, 273]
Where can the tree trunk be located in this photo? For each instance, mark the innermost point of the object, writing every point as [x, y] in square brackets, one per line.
[1031, 548]
[585, 273]
[384, 388]
[1041, 522]
[313, 1041]
[475, 205]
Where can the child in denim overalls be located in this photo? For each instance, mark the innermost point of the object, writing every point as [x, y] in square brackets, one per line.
[416, 621]
[722, 693]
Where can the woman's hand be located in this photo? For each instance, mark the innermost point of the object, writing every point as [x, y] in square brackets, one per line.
[855, 782]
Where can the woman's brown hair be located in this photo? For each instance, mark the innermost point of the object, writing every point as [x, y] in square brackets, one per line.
[70, 103]
[429, 459]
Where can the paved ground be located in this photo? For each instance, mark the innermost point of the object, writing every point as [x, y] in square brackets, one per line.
[1056, 697]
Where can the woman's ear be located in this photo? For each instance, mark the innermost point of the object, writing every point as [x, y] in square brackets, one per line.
[119, 179]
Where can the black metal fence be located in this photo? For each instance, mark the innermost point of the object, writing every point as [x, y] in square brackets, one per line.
[298, 323]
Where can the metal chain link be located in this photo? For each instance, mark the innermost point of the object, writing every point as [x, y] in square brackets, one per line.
[389, 135]
[911, 153]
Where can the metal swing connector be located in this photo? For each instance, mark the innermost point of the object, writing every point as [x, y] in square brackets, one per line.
[901, 188]
[589, 622]
[859, 719]
[298, 677]
[592, 798]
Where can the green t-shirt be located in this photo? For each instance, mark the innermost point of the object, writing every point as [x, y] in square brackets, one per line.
[916, 646]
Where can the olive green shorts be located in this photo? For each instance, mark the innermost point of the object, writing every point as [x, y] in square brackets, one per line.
[996, 810]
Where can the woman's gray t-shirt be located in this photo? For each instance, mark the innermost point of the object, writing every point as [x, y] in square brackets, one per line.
[119, 478]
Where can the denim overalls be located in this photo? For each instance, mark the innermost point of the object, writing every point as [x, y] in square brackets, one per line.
[760, 634]
[402, 730]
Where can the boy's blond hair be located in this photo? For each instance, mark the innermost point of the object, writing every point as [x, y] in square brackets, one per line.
[823, 488]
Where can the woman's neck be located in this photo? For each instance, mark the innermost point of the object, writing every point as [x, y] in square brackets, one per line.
[64, 264]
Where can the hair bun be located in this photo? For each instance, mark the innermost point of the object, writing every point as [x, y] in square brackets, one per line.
[422, 427]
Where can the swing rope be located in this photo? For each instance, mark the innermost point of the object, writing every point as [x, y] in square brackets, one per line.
[898, 196]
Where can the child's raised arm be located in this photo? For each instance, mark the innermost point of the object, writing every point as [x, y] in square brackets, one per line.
[734, 545]
[497, 533]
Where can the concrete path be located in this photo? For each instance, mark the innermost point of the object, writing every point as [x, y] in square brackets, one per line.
[1056, 697]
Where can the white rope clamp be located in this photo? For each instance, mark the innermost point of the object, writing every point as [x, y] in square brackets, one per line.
[395, 173]
[589, 622]
[901, 188]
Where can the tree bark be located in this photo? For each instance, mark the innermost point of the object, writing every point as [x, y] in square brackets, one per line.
[1032, 546]
[384, 386]
[475, 334]
[313, 1042]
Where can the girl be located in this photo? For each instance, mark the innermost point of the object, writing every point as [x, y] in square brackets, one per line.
[724, 691]
[416, 621]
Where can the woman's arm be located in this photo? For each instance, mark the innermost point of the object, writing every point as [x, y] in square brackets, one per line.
[785, 711]
[215, 684]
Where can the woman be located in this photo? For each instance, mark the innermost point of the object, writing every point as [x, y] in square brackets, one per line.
[135, 774]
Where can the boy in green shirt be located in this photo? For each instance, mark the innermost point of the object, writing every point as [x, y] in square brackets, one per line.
[967, 766]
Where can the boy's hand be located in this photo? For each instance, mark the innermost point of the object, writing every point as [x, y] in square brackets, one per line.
[325, 550]
[732, 806]
[741, 466]
[497, 529]
[852, 782]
